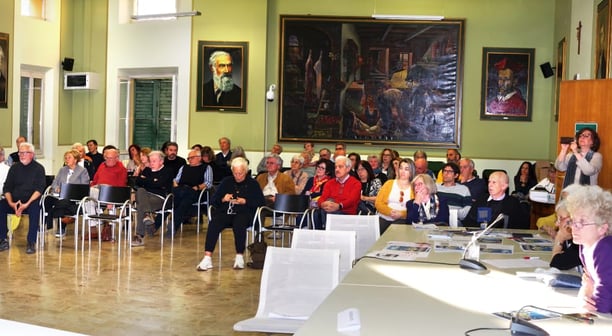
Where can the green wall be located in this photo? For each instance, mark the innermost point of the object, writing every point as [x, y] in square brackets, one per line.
[83, 37]
[509, 24]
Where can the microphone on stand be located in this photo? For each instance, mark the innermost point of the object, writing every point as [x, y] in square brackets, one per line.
[473, 264]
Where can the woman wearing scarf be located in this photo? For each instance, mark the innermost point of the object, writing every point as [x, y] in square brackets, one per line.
[583, 163]
[426, 207]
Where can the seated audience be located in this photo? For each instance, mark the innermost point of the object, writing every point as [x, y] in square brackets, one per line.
[144, 160]
[452, 155]
[85, 161]
[499, 203]
[314, 186]
[524, 180]
[234, 205]
[276, 149]
[427, 206]
[391, 199]
[96, 157]
[355, 158]
[340, 195]
[172, 161]
[590, 209]
[134, 162]
[456, 195]
[421, 167]
[71, 172]
[208, 158]
[370, 186]
[152, 186]
[314, 156]
[111, 171]
[469, 178]
[386, 163]
[189, 182]
[24, 185]
[297, 175]
[325, 153]
[565, 254]
[340, 150]
[274, 182]
[222, 159]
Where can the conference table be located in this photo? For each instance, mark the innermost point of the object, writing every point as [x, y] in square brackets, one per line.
[434, 296]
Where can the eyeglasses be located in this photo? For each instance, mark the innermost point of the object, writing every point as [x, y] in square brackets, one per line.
[320, 167]
[192, 157]
[339, 148]
[579, 225]
[562, 219]
[111, 158]
[450, 171]
[401, 196]
[585, 135]
[24, 153]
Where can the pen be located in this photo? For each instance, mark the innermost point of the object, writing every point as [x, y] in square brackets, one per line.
[531, 258]
[583, 319]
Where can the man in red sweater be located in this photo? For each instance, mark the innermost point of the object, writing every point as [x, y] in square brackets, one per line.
[340, 195]
[111, 171]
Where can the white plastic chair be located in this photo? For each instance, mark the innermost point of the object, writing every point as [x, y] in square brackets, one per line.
[293, 284]
[366, 227]
[344, 241]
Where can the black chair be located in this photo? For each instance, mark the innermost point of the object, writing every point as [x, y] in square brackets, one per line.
[119, 199]
[77, 193]
[287, 209]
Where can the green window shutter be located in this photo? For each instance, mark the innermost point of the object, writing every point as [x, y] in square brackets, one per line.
[152, 112]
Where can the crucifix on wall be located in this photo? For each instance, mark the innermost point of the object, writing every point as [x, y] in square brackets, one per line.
[578, 31]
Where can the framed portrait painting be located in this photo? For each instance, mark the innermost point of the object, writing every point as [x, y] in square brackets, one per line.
[507, 84]
[361, 80]
[222, 76]
[4, 76]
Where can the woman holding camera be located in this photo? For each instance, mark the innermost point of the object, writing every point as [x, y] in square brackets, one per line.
[582, 163]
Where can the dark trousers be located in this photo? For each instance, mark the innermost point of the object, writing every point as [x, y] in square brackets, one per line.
[320, 218]
[33, 212]
[57, 208]
[221, 220]
[184, 198]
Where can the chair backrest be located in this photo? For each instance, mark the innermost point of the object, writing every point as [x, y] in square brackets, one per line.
[112, 194]
[295, 281]
[344, 241]
[291, 203]
[366, 227]
[73, 191]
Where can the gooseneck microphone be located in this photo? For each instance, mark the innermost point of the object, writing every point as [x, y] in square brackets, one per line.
[473, 264]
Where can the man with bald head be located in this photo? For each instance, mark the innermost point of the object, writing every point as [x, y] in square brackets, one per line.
[421, 167]
[111, 171]
[499, 202]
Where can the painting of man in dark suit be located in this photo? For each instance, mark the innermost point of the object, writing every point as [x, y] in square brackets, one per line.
[222, 71]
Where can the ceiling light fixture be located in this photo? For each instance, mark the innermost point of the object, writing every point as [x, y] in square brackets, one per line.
[408, 17]
[165, 15]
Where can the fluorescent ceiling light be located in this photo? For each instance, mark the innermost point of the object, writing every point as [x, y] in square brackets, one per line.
[408, 17]
[165, 15]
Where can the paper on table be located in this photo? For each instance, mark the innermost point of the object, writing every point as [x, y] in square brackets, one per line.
[516, 263]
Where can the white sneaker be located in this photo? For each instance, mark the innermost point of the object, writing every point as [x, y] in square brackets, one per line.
[205, 264]
[239, 262]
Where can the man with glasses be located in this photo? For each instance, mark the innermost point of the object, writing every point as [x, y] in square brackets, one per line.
[111, 171]
[276, 149]
[497, 202]
[24, 185]
[340, 150]
[189, 182]
[457, 196]
[340, 195]
[272, 182]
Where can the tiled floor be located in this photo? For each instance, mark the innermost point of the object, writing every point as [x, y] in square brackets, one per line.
[145, 291]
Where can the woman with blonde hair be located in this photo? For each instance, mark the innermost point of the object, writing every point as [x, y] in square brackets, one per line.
[426, 207]
[392, 197]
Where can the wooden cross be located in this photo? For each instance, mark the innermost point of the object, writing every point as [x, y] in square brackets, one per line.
[578, 31]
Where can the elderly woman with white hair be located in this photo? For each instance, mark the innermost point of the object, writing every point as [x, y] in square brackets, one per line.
[426, 207]
[299, 176]
[590, 209]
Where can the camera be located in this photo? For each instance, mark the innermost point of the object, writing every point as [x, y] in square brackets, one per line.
[566, 140]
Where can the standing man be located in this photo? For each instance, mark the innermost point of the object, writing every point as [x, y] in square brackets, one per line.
[172, 161]
[96, 157]
[276, 149]
[222, 159]
[340, 195]
[273, 182]
[221, 89]
[477, 186]
[457, 196]
[14, 156]
[24, 185]
[189, 182]
[152, 186]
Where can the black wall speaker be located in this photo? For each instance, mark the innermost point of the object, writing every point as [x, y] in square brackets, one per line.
[68, 63]
[547, 70]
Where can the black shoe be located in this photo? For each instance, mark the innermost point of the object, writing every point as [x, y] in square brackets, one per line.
[31, 249]
[4, 245]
